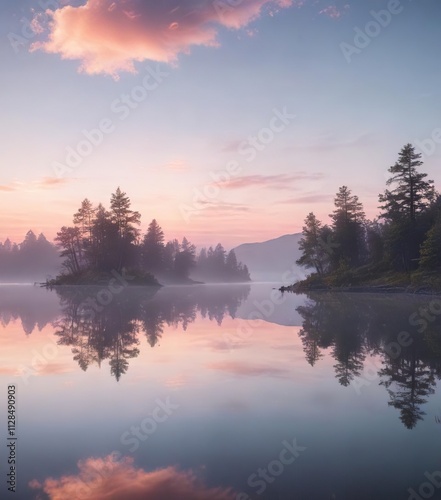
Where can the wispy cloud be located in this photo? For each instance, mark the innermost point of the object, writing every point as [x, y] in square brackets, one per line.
[109, 37]
[44, 183]
[222, 208]
[330, 142]
[248, 369]
[177, 166]
[177, 382]
[334, 12]
[307, 199]
[276, 181]
[232, 146]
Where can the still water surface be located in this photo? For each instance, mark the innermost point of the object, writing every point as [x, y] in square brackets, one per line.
[221, 392]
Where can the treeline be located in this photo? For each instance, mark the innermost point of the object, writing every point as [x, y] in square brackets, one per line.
[218, 265]
[403, 243]
[102, 241]
[33, 259]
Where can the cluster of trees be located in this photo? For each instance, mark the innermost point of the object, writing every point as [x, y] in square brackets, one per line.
[34, 258]
[102, 241]
[406, 236]
[218, 265]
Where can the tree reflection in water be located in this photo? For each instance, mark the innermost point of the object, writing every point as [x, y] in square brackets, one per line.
[112, 332]
[352, 327]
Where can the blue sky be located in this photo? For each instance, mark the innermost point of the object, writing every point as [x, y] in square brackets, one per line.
[351, 119]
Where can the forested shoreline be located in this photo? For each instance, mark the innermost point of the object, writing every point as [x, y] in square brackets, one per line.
[400, 249]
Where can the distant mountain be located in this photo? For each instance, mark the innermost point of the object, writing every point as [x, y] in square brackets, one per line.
[270, 260]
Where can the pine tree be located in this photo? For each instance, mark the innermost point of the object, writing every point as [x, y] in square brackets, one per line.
[348, 228]
[312, 245]
[103, 253]
[153, 248]
[124, 218]
[84, 217]
[348, 208]
[68, 239]
[403, 208]
[185, 259]
[412, 193]
[431, 249]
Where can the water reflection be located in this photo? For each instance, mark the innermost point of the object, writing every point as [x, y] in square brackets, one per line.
[406, 350]
[97, 333]
[114, 479]
[34, 307]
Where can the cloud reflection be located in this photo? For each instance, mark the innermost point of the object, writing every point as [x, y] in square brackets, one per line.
[108, 479]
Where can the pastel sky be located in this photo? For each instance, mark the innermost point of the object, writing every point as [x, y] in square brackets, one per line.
[180, 88]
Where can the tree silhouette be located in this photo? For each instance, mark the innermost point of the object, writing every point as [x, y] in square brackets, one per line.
[409, 381]
[348, 228]
[153, 249]
[314, 253]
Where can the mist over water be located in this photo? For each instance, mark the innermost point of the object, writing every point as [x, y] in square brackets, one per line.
[242, 370]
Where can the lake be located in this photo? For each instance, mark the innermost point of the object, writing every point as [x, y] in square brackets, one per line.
[220, 392]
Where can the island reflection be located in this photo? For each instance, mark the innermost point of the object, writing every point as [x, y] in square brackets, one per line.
[404, 348]
[111, 332]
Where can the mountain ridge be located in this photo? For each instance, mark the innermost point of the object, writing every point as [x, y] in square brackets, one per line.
[272, 259]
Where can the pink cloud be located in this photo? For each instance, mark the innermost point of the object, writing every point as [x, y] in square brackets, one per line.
[276, 181]
[108, 479]
[333, 11]
[44, 183]
[221, 208]
[247, 369]
[108, 37]
[177, 166]
[307, 199]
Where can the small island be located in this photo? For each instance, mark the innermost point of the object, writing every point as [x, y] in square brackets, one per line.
[105, 246]
[398, 252]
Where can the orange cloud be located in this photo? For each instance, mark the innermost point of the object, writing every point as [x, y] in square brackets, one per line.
[108, 479]
[108, 37]
[51, 181]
